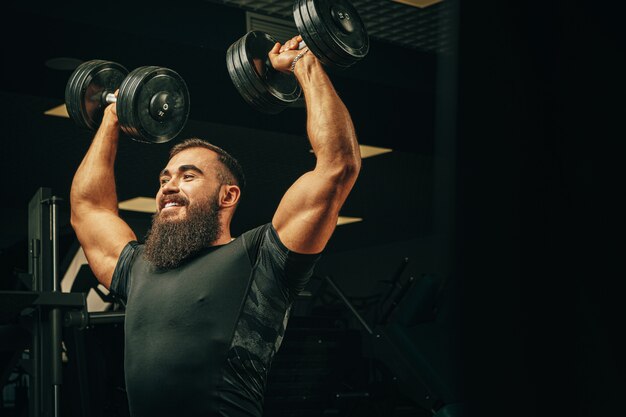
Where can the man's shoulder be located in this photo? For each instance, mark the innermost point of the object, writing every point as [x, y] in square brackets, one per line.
[255, 235]
[259, 230]
[253, 239]
[132, 248]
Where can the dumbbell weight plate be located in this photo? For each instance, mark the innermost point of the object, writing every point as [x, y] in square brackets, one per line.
[153, 104]
[333, 31]
[248, 83]
[264, 88]
[85, 90]
[277, 89]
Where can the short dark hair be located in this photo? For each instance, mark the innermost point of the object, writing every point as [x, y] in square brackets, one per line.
[232, 174]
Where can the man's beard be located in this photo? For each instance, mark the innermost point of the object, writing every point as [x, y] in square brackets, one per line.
[170, 243]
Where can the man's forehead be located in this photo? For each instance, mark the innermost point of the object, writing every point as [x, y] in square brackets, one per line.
[200, 157]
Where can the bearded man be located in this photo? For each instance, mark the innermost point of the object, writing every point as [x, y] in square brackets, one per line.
[206, 311]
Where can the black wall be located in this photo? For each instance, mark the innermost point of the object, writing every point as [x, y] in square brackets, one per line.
[540, 102]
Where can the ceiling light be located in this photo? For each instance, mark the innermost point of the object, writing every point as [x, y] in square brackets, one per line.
[369, 151]
[418, 3]
[141, 204]
[347, 220]
[58, 111]
[63, 63]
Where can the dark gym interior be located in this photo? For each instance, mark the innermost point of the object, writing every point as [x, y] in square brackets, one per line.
[467, 282]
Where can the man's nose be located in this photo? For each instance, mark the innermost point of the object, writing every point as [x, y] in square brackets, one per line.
[170, 187]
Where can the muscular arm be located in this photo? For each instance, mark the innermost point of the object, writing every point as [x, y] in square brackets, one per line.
[307, 214]
[94, 216]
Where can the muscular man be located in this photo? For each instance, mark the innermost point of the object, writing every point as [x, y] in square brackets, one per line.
[205, 311]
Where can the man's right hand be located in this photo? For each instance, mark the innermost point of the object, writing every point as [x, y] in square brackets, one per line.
[282, 56]
[110, 112]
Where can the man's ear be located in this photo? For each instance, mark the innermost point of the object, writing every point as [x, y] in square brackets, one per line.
[229, 196]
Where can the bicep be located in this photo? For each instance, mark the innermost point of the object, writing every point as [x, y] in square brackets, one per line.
[102, 236]
[307, 214]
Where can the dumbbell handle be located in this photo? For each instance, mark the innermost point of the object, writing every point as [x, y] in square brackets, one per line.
[110, 98]
[159, 105]
[106, 97]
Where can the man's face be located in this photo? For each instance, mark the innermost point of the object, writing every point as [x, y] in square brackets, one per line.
[189, 179]
[188, 209]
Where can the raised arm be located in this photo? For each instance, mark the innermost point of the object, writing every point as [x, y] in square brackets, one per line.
[93, 200]
[307, 214]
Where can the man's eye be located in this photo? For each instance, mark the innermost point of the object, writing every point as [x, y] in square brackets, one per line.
[163, 181]
[187, 176]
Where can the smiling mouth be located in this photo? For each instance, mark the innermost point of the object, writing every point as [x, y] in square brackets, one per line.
[169, 204]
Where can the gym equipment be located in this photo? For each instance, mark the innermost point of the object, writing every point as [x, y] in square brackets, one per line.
[331, 29]
[152, 102]
[43, 309]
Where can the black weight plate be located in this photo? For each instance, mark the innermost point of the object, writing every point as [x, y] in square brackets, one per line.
[266, 89]
[312, 36]
[344, 57]
[129, 123]
[74, 99]
[267, 96]
[240, 84]
[86, 88]
[256, 97]
[153, 104]
[332, 52]
[276, 89]
[283, 86]
[266, 101]
[335, 28]
[344, 25]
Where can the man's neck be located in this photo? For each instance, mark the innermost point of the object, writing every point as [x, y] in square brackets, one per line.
[224, 238]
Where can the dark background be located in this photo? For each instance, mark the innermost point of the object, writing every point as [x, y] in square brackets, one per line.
[540, 115]
[501, 142]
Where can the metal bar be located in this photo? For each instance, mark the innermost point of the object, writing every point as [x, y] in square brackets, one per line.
[54, 237]
[61, 299]
[105, 317]
[349, 304]
[40, 268]
[56, 371]
[404, 288]
[392, 287]
[110, 98]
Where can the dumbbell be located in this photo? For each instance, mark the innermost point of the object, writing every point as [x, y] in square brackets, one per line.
[152, 103]
[331, 29]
